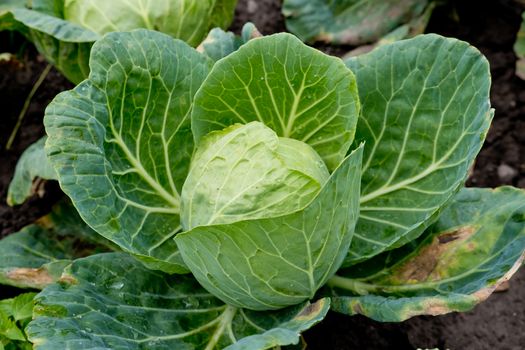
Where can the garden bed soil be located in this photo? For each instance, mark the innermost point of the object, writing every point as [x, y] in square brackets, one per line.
[491, 26]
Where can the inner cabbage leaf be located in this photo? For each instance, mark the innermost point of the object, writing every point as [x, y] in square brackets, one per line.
[248, 172]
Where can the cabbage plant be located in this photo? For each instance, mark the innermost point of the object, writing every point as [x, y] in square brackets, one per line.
[356, 22]
[519, 49]
[251, 194]
[64, 30]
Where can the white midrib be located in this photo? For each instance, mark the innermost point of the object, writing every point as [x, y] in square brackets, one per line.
[388, 189]
[433, 167]
[226, 320]
[174, 201]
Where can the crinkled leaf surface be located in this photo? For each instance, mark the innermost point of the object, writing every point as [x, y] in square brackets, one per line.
[477, 243]
[271, 263]
[121, 141]
[297, 91]
[425, 114]
[32, 164]
[351, 22]
[35, 256]
[248, 172]
[112, 301]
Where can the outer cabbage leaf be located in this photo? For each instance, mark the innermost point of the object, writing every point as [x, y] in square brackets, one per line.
[59, 28]
[265, 264]
[477, 243]
[248, 172]
[297, 91]
[350, 22]
[121, 141]
[111, 301]
[426, 111]
[35, 256]
[32, 164]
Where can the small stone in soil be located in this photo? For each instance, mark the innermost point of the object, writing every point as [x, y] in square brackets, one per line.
[506, 172]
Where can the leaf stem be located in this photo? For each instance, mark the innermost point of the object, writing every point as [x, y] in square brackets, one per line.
[226, 320]
[27, 102]
[362, 288]
[352, 285]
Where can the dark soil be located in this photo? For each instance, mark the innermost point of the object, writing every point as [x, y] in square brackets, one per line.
[491, 26]
[17, 77]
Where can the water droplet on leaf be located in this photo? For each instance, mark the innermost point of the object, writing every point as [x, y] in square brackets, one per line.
[117, 285]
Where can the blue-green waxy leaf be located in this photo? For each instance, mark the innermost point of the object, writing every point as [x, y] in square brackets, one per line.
[57, 27]
[351, 22]
[425, 114]
[297, 91]
[121, 141]
[248, 172]
[36, 255]
[271, 263]
[110, 301]
[219, 44]
[477, 243]
[32, 164]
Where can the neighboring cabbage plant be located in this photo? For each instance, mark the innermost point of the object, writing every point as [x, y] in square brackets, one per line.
[356, 22]
[519, 49]
[64, 30]
[251, 195]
